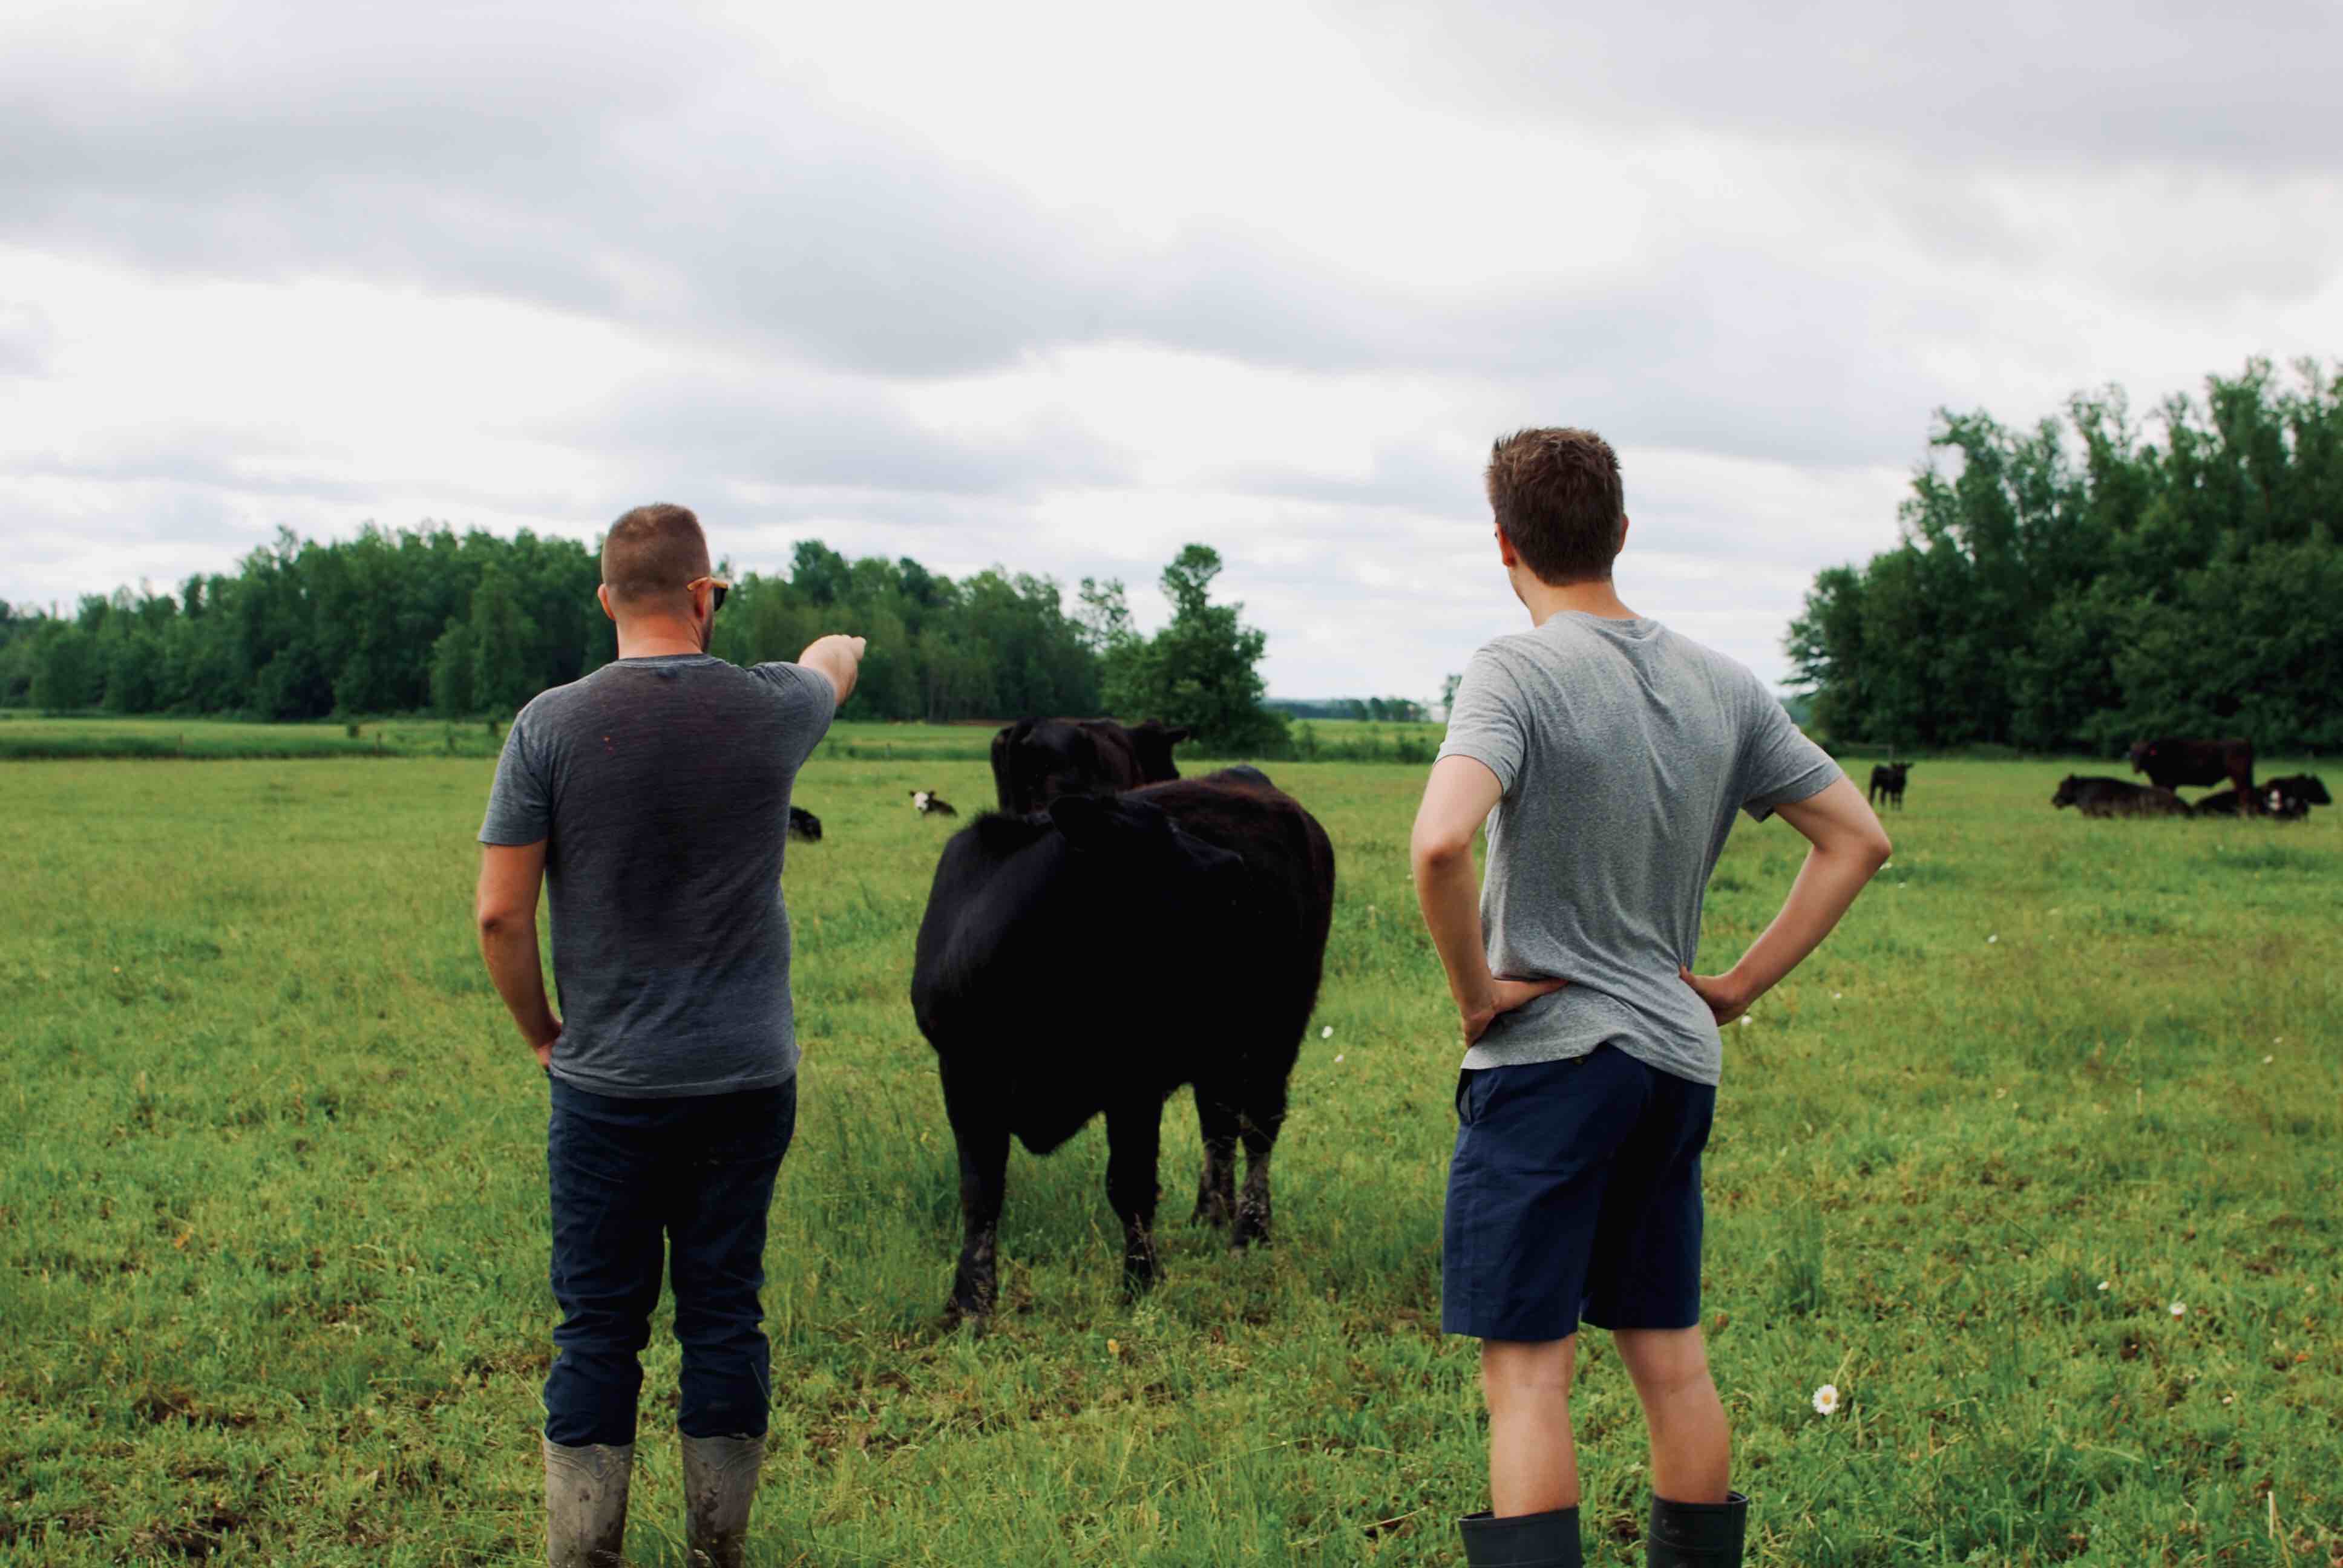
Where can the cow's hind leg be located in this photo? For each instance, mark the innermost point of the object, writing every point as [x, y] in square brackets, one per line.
[1262, 1118]
[1216, 1189]
[983, 1133]
[1134, 1128]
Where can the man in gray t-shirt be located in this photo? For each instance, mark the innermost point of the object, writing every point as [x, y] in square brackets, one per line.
[1607, 757]
[652, 798]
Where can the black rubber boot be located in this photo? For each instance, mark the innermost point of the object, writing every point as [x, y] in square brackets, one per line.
[1522, 1541]
[1696, 1534]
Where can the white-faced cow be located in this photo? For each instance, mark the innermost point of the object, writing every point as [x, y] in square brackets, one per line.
[1095, 956]
[1035, 760]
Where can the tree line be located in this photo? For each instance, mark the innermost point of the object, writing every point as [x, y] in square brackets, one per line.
[2078, 585]
[462, 625]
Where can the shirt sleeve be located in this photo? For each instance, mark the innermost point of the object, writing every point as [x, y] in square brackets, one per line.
[1779, 766]
[809, 704]
[1488, 720]
[520, 803]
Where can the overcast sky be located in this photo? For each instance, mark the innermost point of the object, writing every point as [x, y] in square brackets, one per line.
[1066, 287]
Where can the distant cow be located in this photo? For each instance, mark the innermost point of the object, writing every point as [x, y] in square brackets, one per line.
[804, 824]
[928, 803]
[2308, 788]
[1887, 782]
[2097, 795]
[2170, 763]
[1095, 956]
[1035, 760]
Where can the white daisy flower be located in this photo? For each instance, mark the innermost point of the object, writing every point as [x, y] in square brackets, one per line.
[1327, 1032]
[1993, 938]
[2103, 1284]
[1826, 1399]
[1746, 1020]
[1838, 996]
[1338, 1056]
[2180, 1309]
[2267, 1060]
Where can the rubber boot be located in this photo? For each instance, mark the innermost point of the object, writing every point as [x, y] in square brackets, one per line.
[1521, 1540]
[720, 1484]
[1696, 1534]
[586, 1505]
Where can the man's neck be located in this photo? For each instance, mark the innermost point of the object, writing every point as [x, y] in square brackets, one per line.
[657, 637]
[1545, 600]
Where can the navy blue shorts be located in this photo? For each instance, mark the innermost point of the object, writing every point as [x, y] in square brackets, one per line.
[1574, 1195]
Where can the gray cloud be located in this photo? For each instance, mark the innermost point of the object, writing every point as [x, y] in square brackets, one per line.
[1948, 187]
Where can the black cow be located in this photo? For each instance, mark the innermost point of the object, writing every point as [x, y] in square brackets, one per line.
[2291, 796]
[2099, 796]
[928, 803]
[1887, 780]
[1095, 956]
[1035, 760]
[2170, 763]
[804, 824]
[2308, 788]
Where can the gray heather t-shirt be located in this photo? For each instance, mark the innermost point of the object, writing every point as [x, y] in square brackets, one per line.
[1623, 750]
[662, 788]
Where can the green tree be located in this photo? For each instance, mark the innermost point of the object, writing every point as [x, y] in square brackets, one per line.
[1202, 670]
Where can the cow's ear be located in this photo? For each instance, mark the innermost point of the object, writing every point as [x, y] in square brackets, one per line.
[1083, 819]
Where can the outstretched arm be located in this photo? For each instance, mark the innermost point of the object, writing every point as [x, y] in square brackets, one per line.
[1458, 798]
[505, 909]
[1849, 847]
[837, 657]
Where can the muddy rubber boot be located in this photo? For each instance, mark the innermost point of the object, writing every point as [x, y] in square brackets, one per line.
[720, 1484]
[1696, 1534]
[1522, 1541]
[586, 1505]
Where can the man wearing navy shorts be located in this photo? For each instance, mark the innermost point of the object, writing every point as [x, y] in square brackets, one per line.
[1607, 755]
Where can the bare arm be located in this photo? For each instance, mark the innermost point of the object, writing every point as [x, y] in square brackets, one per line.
[1849, 845]
[506, 909]
[1456, 800]
[837, 657]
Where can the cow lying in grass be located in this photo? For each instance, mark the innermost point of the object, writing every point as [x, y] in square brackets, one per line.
[1094, 958]
[2290, 797]
[2097, 795]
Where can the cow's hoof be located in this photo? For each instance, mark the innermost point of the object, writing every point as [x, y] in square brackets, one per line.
[1212, 1211]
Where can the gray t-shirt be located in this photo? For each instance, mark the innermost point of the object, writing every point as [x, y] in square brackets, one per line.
[1623, 750]
[661, 788]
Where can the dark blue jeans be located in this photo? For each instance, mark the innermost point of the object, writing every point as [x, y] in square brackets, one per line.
[634, 1178]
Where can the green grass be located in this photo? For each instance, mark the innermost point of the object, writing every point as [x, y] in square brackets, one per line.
[273, 1239]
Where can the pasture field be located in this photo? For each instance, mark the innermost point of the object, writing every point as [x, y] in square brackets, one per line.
[27, 735]
[2036, 1162]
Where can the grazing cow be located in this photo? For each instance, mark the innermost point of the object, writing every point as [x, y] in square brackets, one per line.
[1887, 780]
[804, 825]
[1095, 956]
[2099, 796]
[1035, 760]
[2170, 763]
[928, 803]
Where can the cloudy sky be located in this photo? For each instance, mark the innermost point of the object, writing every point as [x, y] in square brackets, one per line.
[1066, 287]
